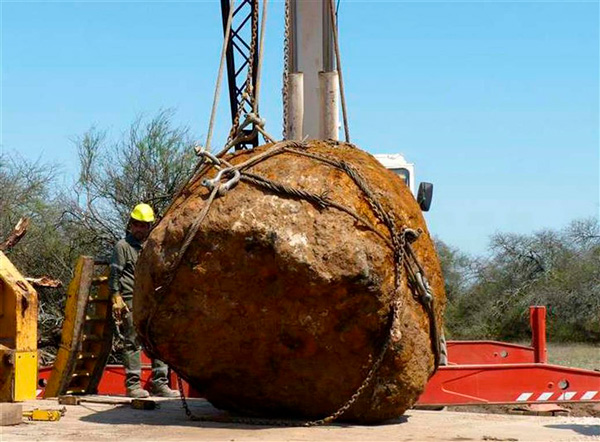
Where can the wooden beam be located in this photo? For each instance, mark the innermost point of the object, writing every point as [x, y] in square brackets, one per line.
[77, 298]
[10, 414]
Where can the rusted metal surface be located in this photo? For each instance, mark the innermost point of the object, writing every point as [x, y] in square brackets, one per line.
[280, 307]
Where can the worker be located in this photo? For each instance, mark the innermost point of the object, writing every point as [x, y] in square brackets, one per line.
[121, 281]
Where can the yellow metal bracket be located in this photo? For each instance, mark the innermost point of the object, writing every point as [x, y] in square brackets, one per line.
[18, 335]
[26, 366]
[44, 415]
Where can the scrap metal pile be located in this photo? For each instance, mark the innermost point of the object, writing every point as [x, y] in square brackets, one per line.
[293, 281]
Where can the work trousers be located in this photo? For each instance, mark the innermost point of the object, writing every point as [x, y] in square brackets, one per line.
[132, 356]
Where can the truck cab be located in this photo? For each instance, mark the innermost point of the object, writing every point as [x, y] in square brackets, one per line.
[405, 170]
[398, 164]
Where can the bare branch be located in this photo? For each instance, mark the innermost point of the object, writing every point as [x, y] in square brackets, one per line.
[45, 281]
[15, 236]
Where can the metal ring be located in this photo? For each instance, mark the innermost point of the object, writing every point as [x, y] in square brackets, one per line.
[225, 187]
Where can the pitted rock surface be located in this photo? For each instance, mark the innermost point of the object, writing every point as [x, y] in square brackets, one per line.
[279, 307]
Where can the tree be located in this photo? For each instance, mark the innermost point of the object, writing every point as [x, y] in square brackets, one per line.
[28, 190]
[559, 269]
[460, 272]
[147, 165]
[25, 190]
[458, 269]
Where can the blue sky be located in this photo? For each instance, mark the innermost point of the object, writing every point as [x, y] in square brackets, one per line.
[497, 103]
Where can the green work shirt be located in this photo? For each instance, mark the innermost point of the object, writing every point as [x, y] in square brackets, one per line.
[122, 266]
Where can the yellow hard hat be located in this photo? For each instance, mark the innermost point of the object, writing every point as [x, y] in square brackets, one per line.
[143, 212]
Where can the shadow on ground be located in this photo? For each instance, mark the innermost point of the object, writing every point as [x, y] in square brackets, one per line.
[586, 430]
[170, 412]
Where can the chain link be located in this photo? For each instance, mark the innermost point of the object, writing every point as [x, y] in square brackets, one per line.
[184, 403]
[286, 68]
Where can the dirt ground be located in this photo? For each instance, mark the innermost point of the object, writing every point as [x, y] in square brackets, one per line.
[573, 354]
[102, 422]
[572, 410]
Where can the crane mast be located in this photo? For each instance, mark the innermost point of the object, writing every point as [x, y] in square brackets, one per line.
[241, 55]
[311, 89]
[312, 98]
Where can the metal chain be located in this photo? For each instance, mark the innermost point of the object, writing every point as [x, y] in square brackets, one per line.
[422, 292]
[404, 255]
[184, 403]
[253, 49]
[231, 419]
[286, 67]
[366, 382]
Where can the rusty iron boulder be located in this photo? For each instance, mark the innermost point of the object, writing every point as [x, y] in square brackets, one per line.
[280, 306]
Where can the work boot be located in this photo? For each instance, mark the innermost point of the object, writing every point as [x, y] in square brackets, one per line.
[164, 391]
[137, 392]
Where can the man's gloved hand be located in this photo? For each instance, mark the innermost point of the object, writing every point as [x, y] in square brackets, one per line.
[119, 308]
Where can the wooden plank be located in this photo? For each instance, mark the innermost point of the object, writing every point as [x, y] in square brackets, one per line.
[75, 309]
[138, 404]
[10, 414]
[68, 399]
[107, 336]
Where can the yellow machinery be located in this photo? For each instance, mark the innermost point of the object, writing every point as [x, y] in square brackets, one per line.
[44, 415]
[18, 335]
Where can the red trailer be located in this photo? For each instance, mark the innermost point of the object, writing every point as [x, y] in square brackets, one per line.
[490, 372]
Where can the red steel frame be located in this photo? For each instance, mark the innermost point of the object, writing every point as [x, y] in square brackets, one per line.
[479, 372]
[494, 352]
[113, 380]
[489, 372]
[488, 352]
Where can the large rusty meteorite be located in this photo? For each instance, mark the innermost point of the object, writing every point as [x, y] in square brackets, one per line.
[280, 307]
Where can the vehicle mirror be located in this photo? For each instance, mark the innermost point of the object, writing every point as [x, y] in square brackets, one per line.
[424, 196]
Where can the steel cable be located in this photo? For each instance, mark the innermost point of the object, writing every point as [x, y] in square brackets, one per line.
[338, 61]
[215, 104]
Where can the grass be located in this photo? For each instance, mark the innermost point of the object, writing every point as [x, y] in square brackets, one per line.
[574, 355]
